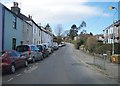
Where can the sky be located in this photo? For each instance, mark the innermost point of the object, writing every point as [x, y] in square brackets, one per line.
[68, 12]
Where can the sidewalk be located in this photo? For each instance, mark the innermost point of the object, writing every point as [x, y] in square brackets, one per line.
[111, 69]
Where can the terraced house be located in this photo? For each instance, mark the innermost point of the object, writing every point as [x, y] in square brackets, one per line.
[11, 28]
[16, 29]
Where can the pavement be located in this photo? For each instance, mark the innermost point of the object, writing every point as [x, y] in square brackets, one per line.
[110, 69]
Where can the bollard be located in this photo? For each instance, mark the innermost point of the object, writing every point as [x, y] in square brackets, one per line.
[104, 55]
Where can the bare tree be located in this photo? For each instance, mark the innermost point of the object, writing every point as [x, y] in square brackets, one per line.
[59, 30]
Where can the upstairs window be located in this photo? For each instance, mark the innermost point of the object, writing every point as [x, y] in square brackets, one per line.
[14, 22]
[39, 32]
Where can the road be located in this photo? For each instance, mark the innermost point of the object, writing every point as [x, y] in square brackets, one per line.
[61, 67]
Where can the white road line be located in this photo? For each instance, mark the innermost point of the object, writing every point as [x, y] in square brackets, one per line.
[18, 74]
[54, 54]
[10, 79]
[31, 69]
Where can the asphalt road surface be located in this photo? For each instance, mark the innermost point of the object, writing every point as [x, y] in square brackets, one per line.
[61, 67]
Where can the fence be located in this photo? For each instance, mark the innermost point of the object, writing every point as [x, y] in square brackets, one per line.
[100, 61]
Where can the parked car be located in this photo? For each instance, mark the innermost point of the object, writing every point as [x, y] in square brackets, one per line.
[11, 60]
[30, 51]
[46, 48]
[55, 45]
[43, 50]
[50, 49]
[62, 44]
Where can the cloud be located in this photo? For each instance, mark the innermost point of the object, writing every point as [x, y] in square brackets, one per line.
[57, 11]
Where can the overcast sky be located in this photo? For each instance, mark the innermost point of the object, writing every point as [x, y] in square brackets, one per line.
[68, 12]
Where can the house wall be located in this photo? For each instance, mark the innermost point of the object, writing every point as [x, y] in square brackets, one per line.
[108, 34]
[10, 32]
[47, 38]
[1, 27]
[27, 33]
[36, 34]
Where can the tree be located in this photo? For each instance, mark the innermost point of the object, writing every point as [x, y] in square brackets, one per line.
[73, 31]
[47, 27]
[83, 24]
[59, 30]
[91, 43]
[91, 34]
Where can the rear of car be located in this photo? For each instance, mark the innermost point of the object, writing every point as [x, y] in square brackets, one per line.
[41, 49]
[24, 50]
[30, 51]
[55, 46]
[11, 60]
[46, 49]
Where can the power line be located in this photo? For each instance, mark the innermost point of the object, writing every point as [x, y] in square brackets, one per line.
[97, 20]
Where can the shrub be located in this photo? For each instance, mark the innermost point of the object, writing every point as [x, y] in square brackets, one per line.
[103, 48]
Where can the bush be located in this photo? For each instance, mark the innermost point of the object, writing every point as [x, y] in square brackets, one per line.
[103, 48]
[117, 48]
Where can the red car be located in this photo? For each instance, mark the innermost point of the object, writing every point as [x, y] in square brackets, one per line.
[11, 60]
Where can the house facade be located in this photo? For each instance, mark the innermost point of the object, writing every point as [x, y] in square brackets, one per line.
[36, 34]
[27, 33]
[11, 29]
[99, 37]
[46, 36]
[108, 33]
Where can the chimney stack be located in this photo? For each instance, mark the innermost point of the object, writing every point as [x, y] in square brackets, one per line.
[29, 16]
[15, 8]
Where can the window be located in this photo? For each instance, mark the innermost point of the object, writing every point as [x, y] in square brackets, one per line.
[14, 22]
[13, 43]
[35, 30]
[39, 32]
[21, 42]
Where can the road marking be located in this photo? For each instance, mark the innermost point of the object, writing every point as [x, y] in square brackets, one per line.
[54, 54]
[31, 69]
[36, 63]
[19, 74]
[8, 80]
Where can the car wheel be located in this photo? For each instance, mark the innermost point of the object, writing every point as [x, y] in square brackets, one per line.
[42, 57]
[12, 68]
[33, 60]
[26, 63]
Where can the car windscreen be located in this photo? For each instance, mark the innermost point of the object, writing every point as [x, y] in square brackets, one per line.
[34, 48]
[22, 48]
[40, 47]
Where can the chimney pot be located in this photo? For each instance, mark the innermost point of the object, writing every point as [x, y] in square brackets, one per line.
[15, 4]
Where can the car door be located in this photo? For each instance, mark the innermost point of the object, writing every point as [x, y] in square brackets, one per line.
[20, 57]
[38, 53]
[34, 52]
[14, 58]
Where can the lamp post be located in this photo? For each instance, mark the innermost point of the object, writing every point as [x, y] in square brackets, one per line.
[113, 44]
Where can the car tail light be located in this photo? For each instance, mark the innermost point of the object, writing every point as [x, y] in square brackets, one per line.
[29, 51]
[42, 51]
[5, 61]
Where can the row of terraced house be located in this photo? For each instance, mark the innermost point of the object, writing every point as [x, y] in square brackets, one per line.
[16, 29]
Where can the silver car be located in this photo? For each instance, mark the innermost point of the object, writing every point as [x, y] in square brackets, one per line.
[30, 51]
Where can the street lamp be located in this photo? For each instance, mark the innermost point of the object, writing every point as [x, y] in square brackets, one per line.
[113, 46]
